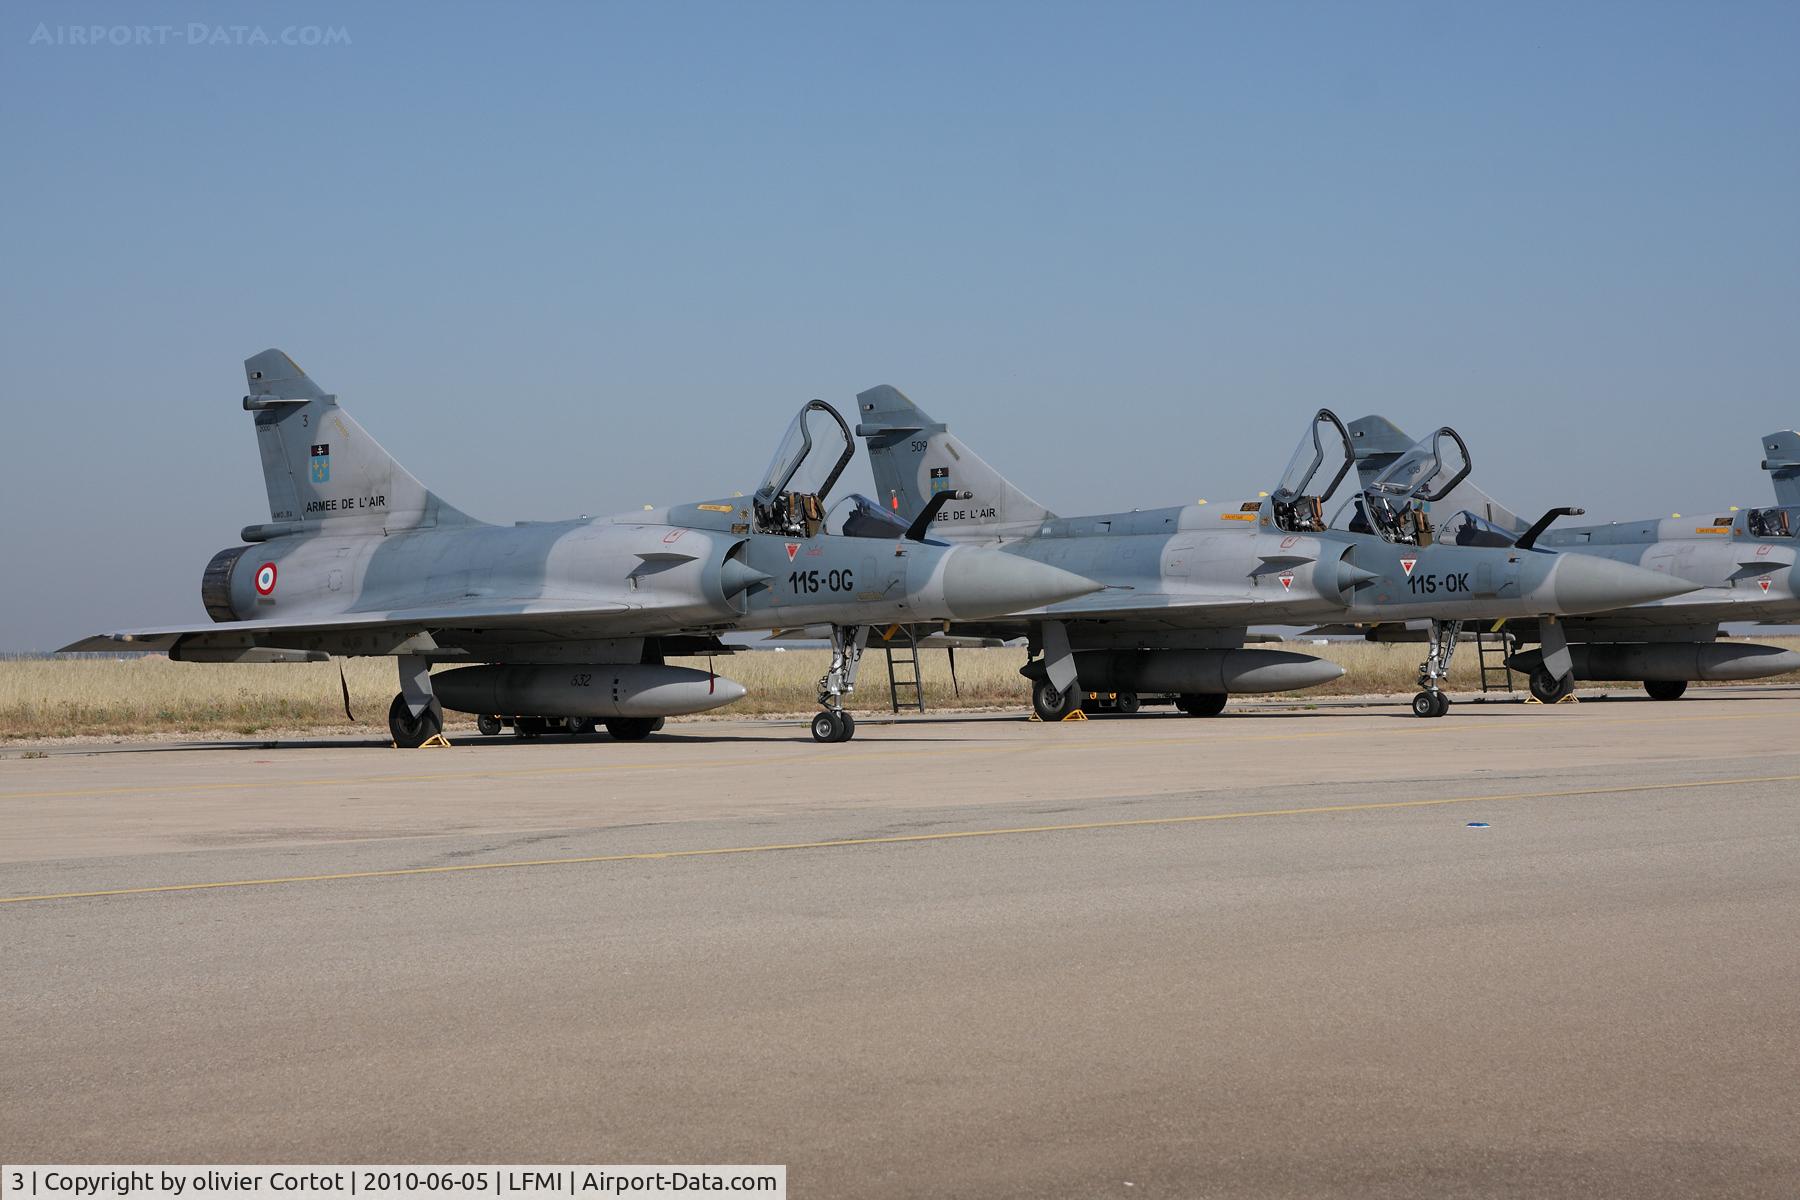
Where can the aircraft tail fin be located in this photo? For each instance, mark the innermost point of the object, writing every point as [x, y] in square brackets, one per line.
[322, 470]
[915, 457]
[1783, 464]
[1378, 442]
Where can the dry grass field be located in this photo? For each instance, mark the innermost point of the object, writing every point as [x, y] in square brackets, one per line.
[84, 697]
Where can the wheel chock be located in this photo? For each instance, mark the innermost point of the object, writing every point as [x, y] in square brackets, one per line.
[1571, 698]
[1074, 714]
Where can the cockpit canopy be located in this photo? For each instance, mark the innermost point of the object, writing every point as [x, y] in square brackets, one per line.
[1297, 504]
[1397, 503]
[1772, 522]
[1467, 529]
[812, 454]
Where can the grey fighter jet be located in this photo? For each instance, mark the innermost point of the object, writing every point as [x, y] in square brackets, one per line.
[568, 618]
[1736, 566]
[1184, 583]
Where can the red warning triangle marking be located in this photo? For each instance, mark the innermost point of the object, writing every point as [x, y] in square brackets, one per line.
[793, 548]
[1407, 564]
[1287, 583]
[1765, 586]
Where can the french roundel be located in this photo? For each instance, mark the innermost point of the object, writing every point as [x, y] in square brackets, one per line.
[265, 579]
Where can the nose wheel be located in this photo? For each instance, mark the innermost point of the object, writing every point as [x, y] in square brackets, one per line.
[1430, 704]
[1441, 648]
[835, 724]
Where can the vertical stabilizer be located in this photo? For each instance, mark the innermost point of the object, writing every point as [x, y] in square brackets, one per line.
[914, 457]
[1782, 462]
[322, 470]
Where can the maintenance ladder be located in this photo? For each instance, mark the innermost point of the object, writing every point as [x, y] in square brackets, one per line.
[1492, 649]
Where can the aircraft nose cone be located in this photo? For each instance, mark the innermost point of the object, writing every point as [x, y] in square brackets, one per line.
[1584, 583]
[987, 583]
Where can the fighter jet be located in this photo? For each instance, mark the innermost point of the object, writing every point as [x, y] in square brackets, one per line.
[568, 618]
[1184, 583]
[1736, 566]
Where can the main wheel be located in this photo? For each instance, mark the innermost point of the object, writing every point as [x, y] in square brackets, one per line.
[410, 731]
[1202, 704]
[1548, 688]
[1051, 703]
[632, 729]
[1425, 704]
[1127, 703]
[1665, 689]
[488, 725]
[826, 727]
[846, 725]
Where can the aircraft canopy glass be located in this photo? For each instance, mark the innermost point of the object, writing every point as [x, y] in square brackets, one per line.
[1324, 454]
[1467, 529]
[811, 455]
[856, 515]
[1395, 504]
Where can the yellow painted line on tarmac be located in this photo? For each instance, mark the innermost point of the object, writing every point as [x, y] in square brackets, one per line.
[1222, 728]
[904, 838]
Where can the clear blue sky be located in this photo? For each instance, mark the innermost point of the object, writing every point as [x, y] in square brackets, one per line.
[567, 259]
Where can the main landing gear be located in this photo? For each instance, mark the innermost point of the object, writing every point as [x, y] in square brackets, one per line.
[835, 724]
[1431, 701]
[1548, 688]
[415, 716]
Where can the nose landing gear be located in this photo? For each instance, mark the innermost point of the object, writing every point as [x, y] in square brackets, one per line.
[835, 724]
[1431, 701]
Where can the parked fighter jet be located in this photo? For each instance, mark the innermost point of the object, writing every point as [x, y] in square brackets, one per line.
[1737, 565]
[571, 618]
[1183, 583]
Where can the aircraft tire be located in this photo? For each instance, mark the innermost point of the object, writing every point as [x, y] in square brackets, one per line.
[826, 727]
[631, 729]
[846, 725]
[1202, 704]
[1547, 689]
[1665, 689]
[1426, 704]
[488, 725]
[409, 731]
[530, 727]
[1050, 703]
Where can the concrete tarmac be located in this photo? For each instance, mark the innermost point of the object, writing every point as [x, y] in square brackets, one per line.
[1285, 952]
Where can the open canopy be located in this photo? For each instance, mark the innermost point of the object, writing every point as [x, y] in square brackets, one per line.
[811, 455]
[1318, 464]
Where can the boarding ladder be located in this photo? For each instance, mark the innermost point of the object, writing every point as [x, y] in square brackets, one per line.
[902, 648]
[1492, 648]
